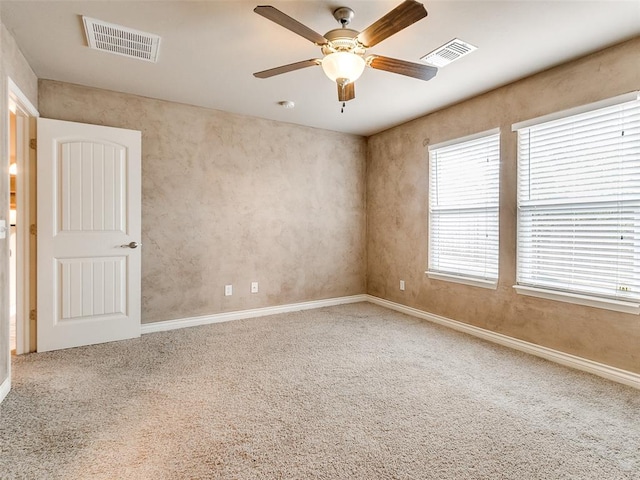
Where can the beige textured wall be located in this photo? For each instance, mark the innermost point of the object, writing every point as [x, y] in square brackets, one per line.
[397, 193]
[231, 199]
[228, 199]
[12, 65]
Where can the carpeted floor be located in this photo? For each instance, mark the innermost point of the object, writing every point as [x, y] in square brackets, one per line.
[354, 391]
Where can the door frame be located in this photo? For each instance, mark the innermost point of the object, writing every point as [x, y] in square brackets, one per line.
[26, 115]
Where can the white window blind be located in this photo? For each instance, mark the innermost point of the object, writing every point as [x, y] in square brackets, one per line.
[579, 203]
[463, 207]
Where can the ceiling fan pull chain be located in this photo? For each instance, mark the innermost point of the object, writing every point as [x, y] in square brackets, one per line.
[344, 104]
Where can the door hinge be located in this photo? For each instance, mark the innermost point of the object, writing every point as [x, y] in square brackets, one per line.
[33, 144]
[33, 315]
[33, 230]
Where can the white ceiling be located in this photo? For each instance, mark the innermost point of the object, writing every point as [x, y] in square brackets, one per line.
[210, 49]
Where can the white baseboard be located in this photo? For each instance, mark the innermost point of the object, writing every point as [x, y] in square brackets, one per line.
[4, 389]
[579, 363]
[242, 314]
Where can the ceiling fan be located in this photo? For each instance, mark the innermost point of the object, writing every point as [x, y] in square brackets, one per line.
[344, 50]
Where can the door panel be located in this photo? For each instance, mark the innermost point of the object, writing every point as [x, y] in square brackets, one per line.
[88, 212]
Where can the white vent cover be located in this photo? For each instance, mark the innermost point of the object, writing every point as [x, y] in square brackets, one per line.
[448, 52]
[120, 40]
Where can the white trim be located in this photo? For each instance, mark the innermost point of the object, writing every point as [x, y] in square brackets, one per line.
[468, 138]
[607, 102]
[611, 373]
[243, 314]
[474, 282]
[23, 101]
[577, 299]
[5, 388]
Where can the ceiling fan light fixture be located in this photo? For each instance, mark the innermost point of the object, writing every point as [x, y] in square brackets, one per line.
[343, 65]
[344, 49]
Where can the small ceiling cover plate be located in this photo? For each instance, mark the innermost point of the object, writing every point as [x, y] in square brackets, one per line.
[120, 40]
[449, 52]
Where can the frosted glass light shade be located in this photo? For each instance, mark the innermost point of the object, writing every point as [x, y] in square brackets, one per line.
[343, 65]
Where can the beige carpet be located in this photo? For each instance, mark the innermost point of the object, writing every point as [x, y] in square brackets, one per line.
[354, 391]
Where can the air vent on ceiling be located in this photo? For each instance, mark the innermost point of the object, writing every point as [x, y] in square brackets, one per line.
[120, 40]
[448, 53]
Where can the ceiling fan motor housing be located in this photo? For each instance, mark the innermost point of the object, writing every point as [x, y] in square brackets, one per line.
[342, 40]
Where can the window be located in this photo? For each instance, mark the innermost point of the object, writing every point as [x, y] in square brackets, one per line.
[579, 205]
[463, 209]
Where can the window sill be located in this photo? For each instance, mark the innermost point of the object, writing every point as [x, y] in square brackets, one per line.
[474, 282]
[586, 300]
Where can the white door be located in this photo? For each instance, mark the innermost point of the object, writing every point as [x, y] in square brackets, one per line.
[88, 229]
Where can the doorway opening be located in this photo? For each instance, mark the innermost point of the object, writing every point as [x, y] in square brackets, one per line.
[22, 123]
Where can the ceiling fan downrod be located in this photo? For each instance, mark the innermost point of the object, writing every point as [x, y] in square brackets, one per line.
[343, 15]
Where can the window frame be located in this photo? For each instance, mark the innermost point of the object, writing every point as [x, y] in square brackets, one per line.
[619, 304]
[458, 277]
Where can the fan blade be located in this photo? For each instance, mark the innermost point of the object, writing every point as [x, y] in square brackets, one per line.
[410, 69]
[405, 14]
[287, 68]
[346, 92]
[284, 20]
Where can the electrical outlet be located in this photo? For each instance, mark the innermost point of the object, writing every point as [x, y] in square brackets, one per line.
[401, 284]
[254, 287]
[228, 290]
